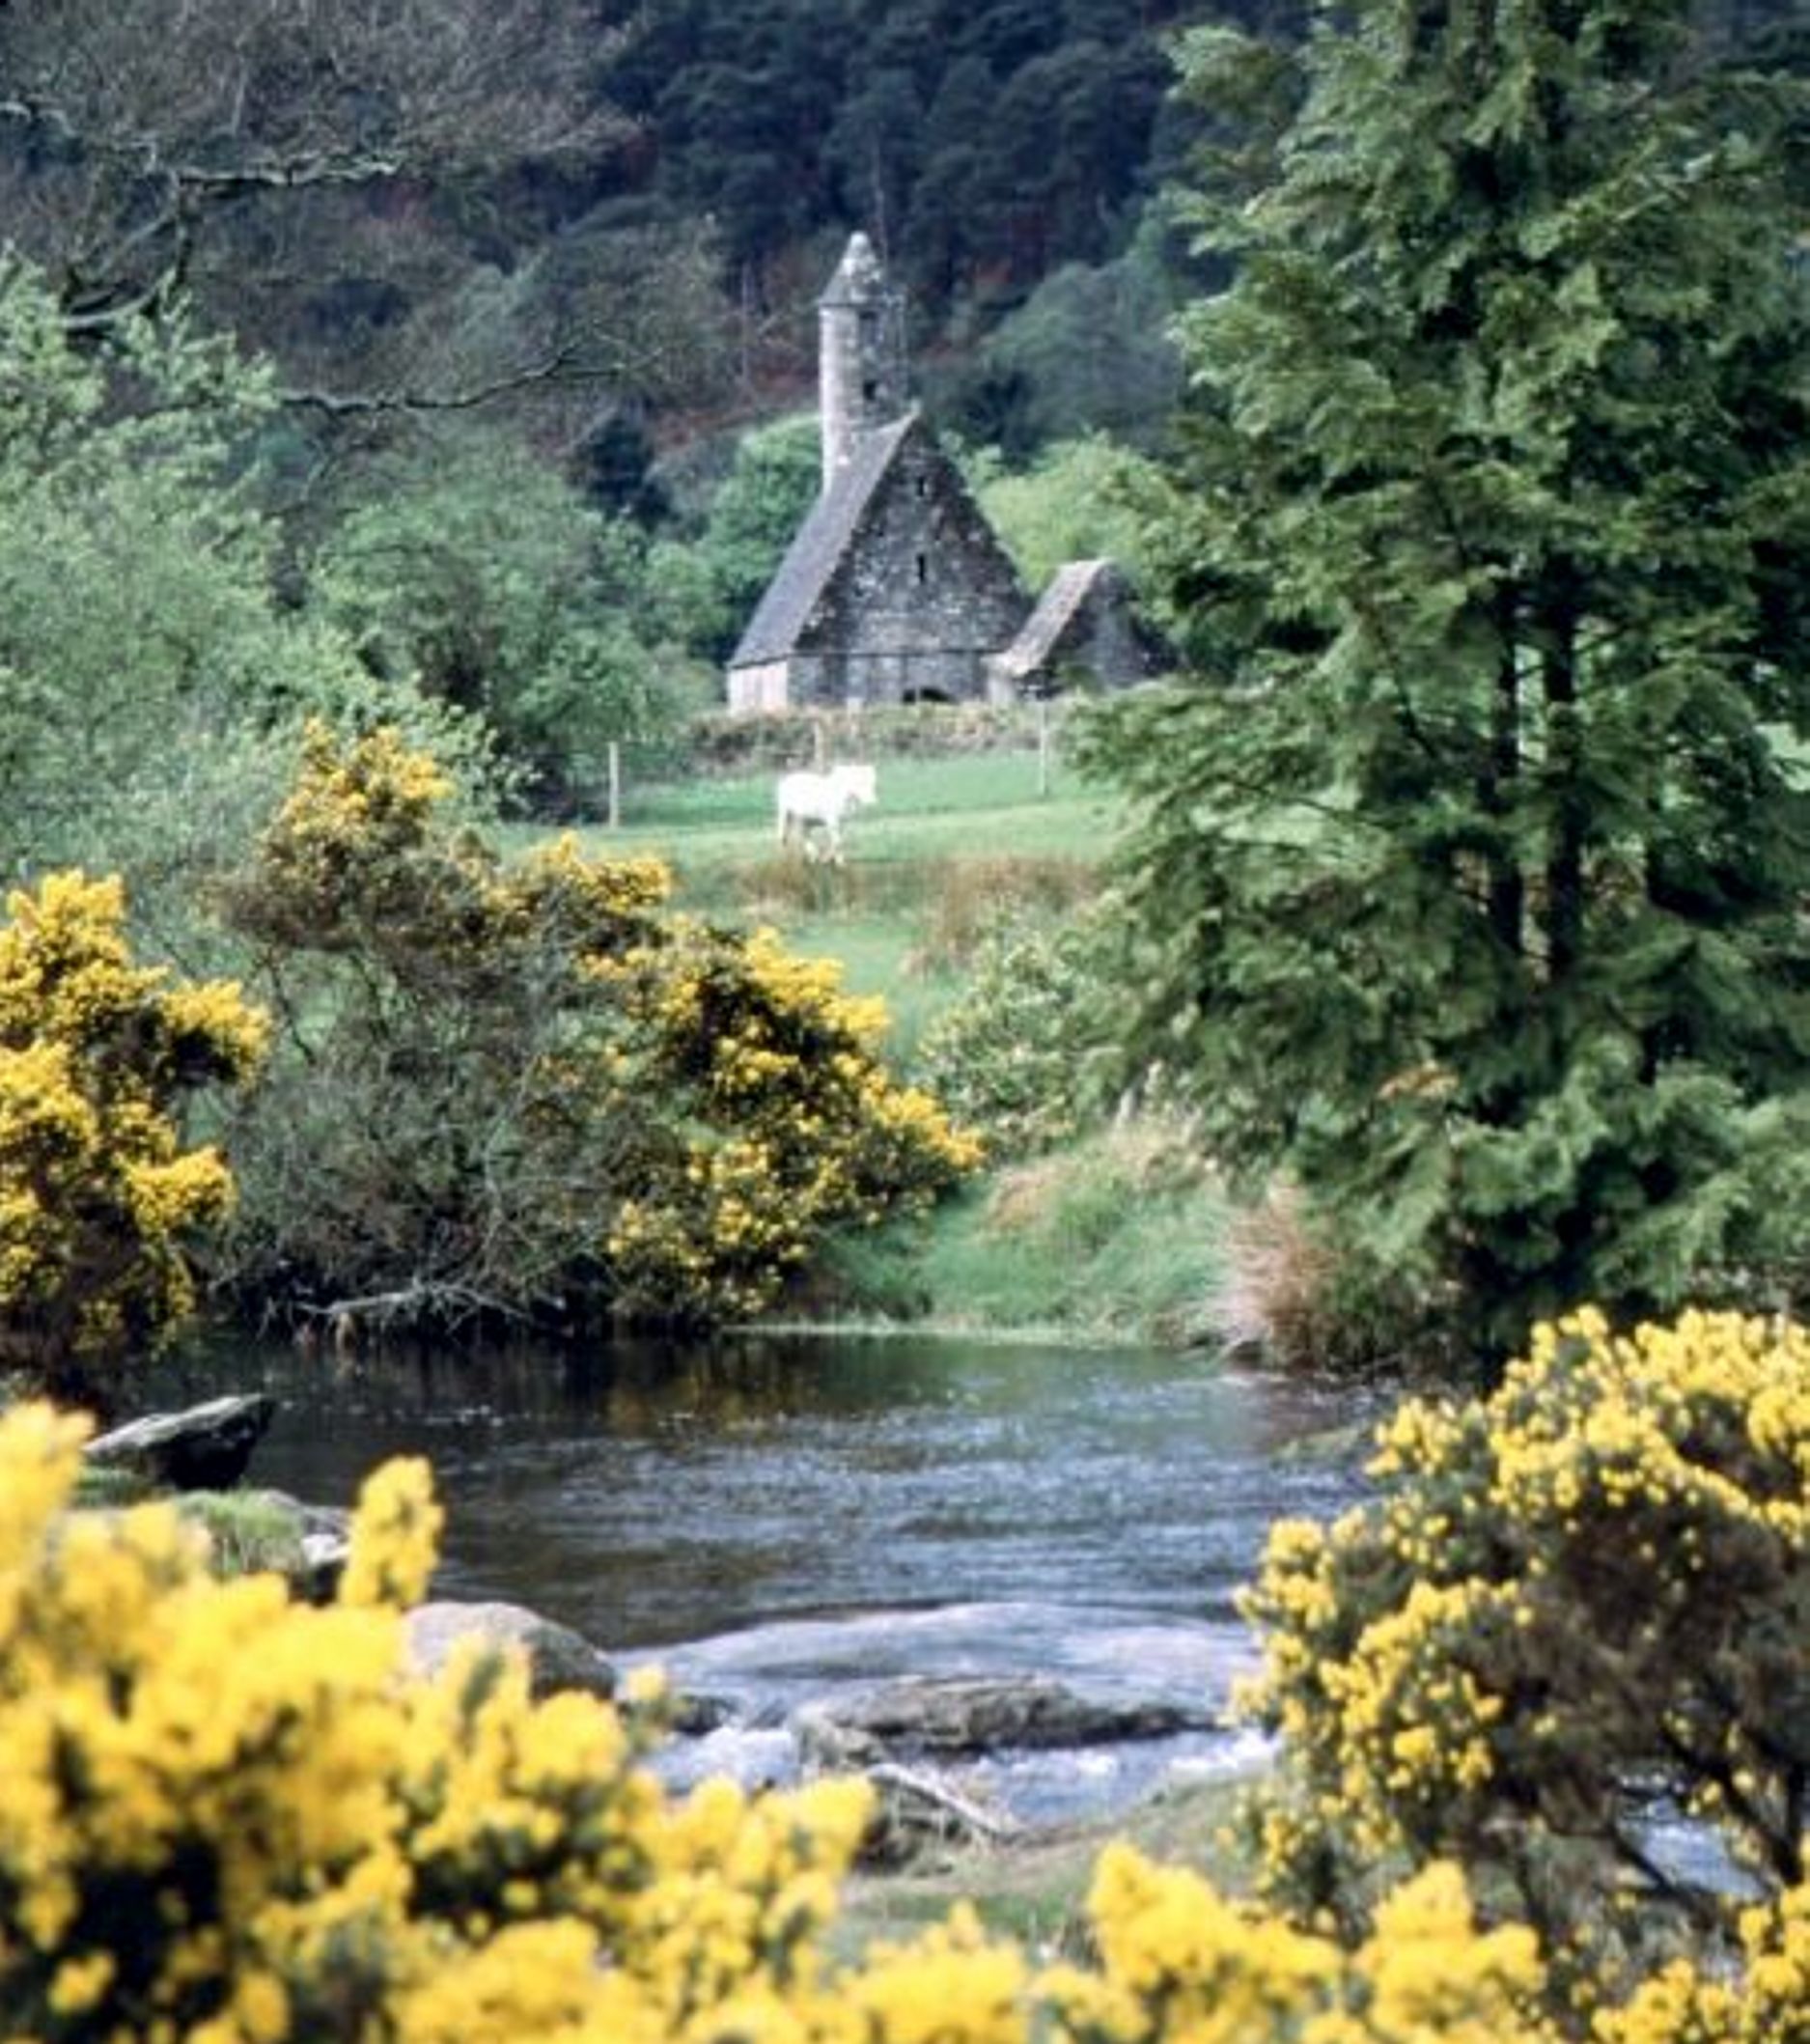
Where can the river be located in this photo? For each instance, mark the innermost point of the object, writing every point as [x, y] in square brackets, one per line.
[778, 1519]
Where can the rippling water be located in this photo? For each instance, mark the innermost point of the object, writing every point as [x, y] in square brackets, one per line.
[776, 1517]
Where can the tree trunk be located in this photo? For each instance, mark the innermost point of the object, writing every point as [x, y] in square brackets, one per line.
[1508, 886]
[1565, 848]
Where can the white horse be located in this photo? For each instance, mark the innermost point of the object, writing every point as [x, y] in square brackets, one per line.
[819, 801]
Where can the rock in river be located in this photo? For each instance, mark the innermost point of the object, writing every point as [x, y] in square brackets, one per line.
[558, 1657]
[205, 1447]
[949, 1715]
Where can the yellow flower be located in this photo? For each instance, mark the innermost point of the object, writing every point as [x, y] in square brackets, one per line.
[394, 1536]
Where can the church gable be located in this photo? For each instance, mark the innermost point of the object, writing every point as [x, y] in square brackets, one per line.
[921, 591]
[819, 549]
[1084, 622]
[894, 590]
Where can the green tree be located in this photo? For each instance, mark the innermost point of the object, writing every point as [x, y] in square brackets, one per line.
[1062, 150]
[1089, 350]
[1471, 857]
[151, 680]
[486, 581]
[706, 589]
[1078, 499]
[133, 571]
[232, 154]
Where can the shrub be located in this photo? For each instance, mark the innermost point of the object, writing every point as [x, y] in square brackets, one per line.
[1574, 1606]
[1018, 1054]
[231, 1819]
[1768, 2002]
[1279, 1289]
[722, 745]
[228, 1819]
[96, 1190]
[788, 1128]
[530, 1088]
[249, 1533]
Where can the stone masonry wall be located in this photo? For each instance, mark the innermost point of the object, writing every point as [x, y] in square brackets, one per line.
[924, 594]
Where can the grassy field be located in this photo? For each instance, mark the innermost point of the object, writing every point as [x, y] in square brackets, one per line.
[1117, 1237]
[926, 808]
[948, 840]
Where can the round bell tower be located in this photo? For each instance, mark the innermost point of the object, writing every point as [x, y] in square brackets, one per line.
[861, 354]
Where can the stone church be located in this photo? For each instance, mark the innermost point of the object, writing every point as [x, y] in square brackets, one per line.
[895, 589]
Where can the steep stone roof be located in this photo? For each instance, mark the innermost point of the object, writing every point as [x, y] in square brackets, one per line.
[1057, 609]
[819, 548]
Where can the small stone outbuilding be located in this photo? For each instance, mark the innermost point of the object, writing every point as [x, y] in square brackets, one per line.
[896, 589]
[1084, 625]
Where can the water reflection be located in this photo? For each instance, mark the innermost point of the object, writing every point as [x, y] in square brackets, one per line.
[656, 1492]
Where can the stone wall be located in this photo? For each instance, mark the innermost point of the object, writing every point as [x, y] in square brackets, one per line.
[924, 594]
[730, 745]
[753, 690]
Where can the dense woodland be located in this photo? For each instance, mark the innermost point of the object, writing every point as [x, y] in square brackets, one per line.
[424, 200]
[605, 225]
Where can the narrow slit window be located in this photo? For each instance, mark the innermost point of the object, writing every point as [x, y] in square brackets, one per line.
[924, 569]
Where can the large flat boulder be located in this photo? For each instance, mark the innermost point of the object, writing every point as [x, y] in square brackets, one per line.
[205, 1447]
[950, 1717]
[558, 1657]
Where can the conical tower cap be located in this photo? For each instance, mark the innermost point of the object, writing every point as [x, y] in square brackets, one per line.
[860, 277]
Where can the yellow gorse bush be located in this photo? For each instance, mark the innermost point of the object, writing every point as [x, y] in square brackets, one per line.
[1587, 1587]
[1766, 2001]
[795, 1126]
[226, 1818]
[97, 1188]
[538, 1081]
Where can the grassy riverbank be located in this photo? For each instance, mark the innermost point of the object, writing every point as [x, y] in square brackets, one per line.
[1035, 1889]
[1115, 1237]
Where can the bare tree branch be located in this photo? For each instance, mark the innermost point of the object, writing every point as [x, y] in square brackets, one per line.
[568, 365]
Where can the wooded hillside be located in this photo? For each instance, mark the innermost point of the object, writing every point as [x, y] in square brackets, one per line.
[624, 212]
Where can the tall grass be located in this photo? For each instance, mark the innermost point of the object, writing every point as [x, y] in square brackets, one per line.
[1117, 1237]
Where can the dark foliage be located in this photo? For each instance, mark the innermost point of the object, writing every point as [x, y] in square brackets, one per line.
[1474, 856]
